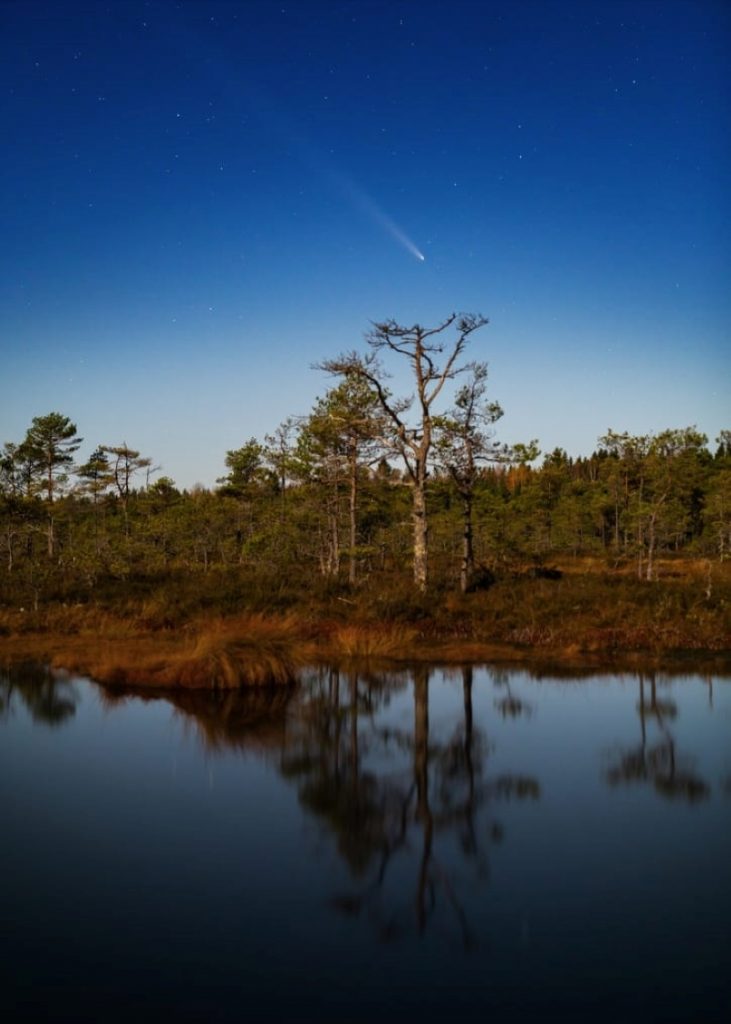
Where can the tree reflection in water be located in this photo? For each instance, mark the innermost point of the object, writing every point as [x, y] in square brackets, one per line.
[408, 809]
[412, 806]
[390, 794]
[509, 705]
[49, 698]
[656, 761]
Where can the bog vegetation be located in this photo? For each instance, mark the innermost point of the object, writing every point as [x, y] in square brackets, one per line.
[380, 512]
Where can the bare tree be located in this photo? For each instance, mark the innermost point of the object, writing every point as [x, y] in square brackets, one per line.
[433, 361]
[124, 462]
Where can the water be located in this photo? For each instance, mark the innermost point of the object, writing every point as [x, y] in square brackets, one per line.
[368, 847]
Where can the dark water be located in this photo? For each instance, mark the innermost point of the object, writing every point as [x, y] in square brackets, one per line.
[368, 847]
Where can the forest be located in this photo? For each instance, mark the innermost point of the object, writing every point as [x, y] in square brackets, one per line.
[380, 508]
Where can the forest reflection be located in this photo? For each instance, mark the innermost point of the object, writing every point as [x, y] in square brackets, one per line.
[407, 771]
[390, 791]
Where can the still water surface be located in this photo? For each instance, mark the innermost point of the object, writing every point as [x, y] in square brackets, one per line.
[368, 847]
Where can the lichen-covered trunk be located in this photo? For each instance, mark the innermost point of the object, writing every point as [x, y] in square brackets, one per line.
[421, 544]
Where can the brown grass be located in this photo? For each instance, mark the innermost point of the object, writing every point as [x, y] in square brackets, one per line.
[375, 641]
[586, 613]
[67, 621]
[246, 650]
[249, 650]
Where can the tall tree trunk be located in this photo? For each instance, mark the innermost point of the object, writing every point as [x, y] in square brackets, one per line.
[50, 536]
[421, 531]
[335, 533]
[616, 521]
[468, 555]
[650, 574]
[125, 512]
[334, 544]
[640, 531]
[352, 507]
[9, 536]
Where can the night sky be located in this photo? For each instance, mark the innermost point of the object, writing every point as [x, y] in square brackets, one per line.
[200, 200]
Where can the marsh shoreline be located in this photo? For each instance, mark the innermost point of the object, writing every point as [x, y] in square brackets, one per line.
[226, 633]
[255, 650]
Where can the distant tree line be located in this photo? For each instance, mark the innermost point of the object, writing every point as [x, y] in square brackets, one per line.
[368, 487]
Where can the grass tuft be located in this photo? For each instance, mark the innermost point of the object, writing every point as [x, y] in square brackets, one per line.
[250, 650]
[384, 641]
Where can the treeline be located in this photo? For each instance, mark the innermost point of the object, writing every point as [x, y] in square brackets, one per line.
[365, 490]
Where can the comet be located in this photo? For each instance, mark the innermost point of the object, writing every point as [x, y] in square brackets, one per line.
[363, 202]
[393, 229]
[263, 108]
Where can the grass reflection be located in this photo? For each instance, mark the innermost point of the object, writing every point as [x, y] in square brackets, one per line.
[49, 699]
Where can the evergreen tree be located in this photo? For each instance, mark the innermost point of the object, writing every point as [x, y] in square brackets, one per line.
[49, 446]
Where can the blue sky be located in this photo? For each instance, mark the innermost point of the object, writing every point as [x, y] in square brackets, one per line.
[199, 201]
